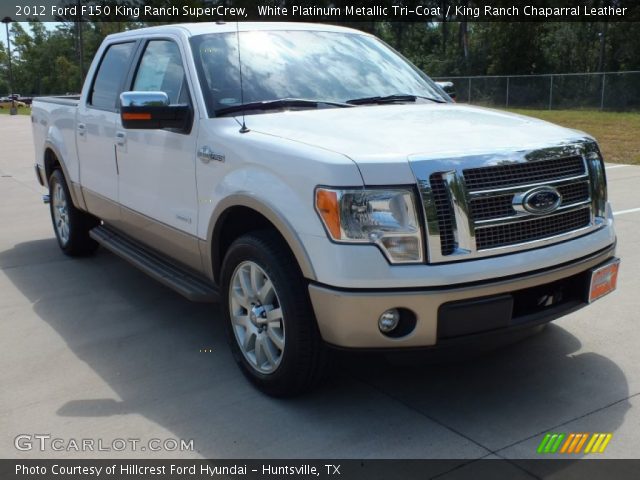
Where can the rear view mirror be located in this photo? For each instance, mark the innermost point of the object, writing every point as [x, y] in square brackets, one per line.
[151, 110]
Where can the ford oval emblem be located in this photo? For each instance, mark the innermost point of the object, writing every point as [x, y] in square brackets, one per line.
[541, 200]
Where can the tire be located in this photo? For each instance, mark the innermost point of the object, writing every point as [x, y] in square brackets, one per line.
[271, 327]
[70, 225]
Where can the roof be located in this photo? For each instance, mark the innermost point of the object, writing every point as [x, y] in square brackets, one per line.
[192, 29]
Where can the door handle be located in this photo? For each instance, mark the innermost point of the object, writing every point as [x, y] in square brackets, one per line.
[121, 138]
[81, 129]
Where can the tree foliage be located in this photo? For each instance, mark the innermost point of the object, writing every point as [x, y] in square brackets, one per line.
[48, 61]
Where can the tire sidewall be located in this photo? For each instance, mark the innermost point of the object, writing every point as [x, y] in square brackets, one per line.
[79, 242]
[57, 178]
[247, 250]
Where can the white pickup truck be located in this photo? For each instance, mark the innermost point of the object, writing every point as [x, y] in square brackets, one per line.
[324, 190]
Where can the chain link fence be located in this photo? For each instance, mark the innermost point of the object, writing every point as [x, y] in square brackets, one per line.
[619, 91]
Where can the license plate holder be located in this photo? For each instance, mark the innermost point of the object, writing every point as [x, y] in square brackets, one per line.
[604, 279]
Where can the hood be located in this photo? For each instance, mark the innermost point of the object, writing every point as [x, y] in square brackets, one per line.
[383, 136]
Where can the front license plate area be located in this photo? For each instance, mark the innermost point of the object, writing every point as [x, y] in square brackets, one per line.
[604, 279]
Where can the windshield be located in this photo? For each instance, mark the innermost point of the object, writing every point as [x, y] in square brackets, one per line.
[313, 65]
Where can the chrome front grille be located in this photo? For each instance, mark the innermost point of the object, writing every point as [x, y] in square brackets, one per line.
[532, 229]
[476, 206]
[501, 205]
[501, 176]
[443, 213]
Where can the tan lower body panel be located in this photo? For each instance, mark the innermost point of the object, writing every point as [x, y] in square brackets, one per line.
[101, 207]
[176, 245]
[350, 319]
[76, 196]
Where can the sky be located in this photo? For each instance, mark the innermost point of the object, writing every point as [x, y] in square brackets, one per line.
[25, 25]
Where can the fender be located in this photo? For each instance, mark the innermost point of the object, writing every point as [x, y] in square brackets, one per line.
[270, 213]
[74, 188]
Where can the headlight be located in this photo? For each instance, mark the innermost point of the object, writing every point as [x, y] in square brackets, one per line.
[386, 218]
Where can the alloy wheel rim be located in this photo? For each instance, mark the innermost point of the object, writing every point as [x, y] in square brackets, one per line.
[60, 214]
[256, 317]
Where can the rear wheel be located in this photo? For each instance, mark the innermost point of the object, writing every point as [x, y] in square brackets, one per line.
[70, 225]
[270, 323]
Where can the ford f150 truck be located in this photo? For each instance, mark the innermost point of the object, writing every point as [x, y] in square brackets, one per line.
[324, 190]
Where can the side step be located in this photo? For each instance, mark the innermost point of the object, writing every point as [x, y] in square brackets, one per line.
[192, 287]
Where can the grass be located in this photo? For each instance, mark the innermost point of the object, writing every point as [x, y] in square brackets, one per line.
[21, 111]
[617, 133]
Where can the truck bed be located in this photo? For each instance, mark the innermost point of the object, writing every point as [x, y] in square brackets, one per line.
[54, 128]
[68, 100]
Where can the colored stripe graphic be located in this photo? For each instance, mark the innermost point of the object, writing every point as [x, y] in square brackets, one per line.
[606, 441]
[567, 443]
[550, 443]
[591, 442]
[556, 445]
[572, 443]
[581, 443]
[596, 446]
[543, 443]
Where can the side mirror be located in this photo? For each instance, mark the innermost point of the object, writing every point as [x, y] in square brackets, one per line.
[151, 110]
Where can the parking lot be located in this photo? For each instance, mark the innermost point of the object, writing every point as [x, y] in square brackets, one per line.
[92, 348]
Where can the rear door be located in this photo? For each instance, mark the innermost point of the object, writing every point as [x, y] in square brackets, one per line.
[96, 131]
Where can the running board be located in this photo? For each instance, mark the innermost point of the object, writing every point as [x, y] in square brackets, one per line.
[192, 287]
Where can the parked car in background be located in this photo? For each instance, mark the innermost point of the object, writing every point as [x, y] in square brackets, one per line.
[8, 102]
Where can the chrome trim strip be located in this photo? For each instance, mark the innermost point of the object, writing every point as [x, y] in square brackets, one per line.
[532, 218]
[600, 222]
[519, 188]
[523, 216]
[463, 231]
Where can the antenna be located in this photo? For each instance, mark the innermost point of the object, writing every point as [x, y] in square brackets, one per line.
[244, 128]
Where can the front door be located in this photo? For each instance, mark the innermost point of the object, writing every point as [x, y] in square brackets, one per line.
[157, 181]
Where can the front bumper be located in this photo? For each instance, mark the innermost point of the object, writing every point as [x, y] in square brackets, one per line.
[349, 318]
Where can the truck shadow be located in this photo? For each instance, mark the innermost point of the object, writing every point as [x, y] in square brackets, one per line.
[167, 360]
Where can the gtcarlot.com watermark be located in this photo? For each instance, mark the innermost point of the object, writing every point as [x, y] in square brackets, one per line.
[44, 442]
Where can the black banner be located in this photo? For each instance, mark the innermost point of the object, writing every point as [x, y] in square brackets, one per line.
[318, 469]
[174, 11]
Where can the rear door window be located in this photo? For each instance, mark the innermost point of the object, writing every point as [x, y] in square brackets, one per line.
[108, 82]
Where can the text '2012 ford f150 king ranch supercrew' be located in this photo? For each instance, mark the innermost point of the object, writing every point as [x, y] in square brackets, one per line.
[324, 190]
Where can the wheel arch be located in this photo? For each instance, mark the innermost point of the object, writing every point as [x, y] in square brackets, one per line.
[52, 161]
[225, 226]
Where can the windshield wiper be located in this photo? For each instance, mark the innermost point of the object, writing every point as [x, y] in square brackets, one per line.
[399, 97]
[279, 103]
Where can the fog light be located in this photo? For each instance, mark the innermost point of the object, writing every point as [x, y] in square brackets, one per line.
[389, 320]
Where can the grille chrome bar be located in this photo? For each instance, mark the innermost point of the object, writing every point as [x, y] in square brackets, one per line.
[494, 177]
[472, 202]
[532, 228]
[519, 188]
[522, 216]
[462, 224]
[489, 209]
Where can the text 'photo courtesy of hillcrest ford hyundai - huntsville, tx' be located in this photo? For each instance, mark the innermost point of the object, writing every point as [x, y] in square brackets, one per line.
[324, 191]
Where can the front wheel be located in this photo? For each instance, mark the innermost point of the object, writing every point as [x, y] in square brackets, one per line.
[270, 323]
